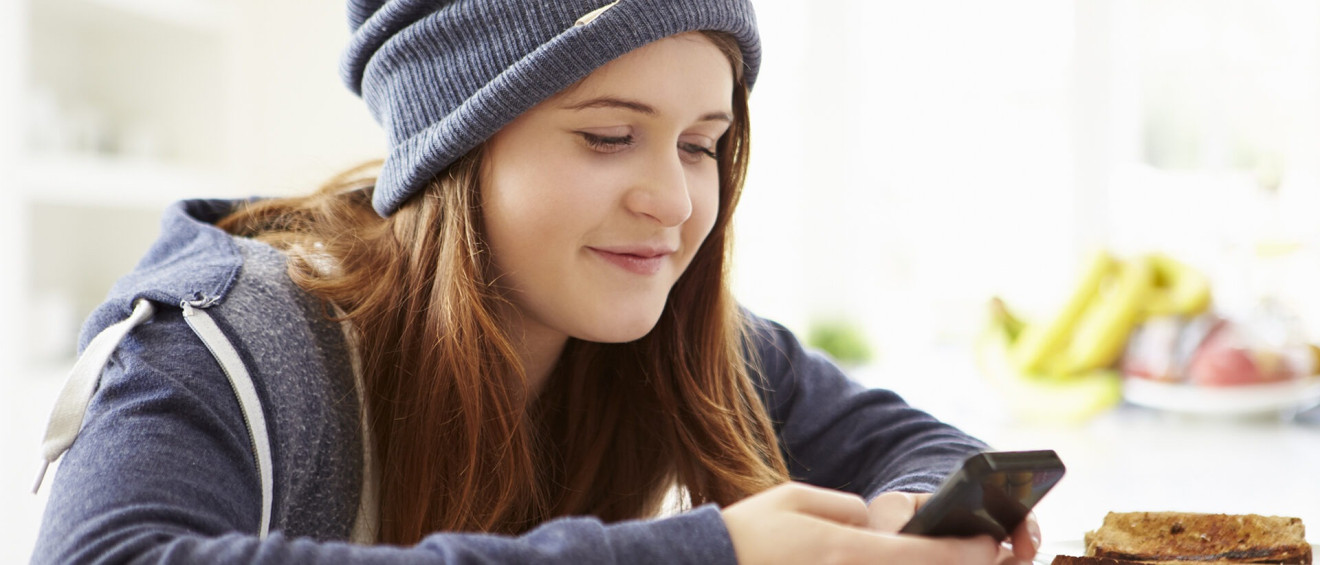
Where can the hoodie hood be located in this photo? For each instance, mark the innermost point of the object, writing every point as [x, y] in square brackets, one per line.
[192, 261]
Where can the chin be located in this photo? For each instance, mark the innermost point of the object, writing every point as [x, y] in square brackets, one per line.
[623, 327]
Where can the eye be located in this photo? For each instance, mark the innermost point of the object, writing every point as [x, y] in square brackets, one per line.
[694, 153]
[606, 143]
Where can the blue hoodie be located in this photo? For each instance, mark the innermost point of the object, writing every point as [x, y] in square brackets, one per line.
[226, 428]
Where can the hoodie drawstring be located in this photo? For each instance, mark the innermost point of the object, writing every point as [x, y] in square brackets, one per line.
[66, 418]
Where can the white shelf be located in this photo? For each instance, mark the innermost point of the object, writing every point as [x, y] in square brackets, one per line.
[209, 16]
[118, 108]
[105, 181]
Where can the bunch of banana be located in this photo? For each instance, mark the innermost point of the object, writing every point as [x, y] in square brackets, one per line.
[1091, 329]
[1069, 357]
[1037, 349]
[1179, 289]
[1037, 397]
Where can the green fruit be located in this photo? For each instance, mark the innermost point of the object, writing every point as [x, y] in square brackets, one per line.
[842, 340]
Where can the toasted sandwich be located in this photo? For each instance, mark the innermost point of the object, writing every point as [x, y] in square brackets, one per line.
[1180, 536]
[1070, 560]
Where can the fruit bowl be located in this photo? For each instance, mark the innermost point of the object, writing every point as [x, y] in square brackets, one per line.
[1230, 400]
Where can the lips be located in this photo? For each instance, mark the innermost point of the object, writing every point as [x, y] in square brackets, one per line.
[639, 260]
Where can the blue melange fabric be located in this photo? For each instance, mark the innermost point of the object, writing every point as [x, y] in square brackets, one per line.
[441, 77]
[163, 470]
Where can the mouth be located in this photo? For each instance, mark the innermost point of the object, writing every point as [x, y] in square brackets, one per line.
[636, 260]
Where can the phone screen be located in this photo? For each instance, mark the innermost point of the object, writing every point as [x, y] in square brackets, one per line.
[991, 494]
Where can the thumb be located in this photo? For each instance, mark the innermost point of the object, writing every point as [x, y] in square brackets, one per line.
[890, 511]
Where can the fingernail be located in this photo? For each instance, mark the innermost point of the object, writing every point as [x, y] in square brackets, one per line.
[1034, 530]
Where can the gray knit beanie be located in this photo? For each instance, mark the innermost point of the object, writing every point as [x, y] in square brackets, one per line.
[442, 76]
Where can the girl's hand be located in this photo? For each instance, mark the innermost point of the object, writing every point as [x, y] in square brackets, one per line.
[891, 510]
[796, 523]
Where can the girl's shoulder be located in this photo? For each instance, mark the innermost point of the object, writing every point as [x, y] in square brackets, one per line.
[231, 300]
[768, 340]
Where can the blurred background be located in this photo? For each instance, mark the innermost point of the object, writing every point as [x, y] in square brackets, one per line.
[911, 161]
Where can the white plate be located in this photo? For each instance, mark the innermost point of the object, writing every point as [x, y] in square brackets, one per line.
[1077, 547]
[1224, 400]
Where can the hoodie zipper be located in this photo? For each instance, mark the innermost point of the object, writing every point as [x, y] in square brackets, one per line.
[244, 391]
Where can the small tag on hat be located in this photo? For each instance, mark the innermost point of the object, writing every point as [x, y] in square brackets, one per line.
[592, 15]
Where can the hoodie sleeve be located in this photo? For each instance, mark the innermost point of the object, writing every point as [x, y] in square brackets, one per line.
[838, 434]
[163, 472]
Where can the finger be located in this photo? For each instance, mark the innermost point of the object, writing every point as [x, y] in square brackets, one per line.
[1026, 538]
[867, 545]
[891, 510]
[900, 548]
[928, 550]
[829, 504]
[1006, 556]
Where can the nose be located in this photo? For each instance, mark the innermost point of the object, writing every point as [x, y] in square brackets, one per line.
[661, 192]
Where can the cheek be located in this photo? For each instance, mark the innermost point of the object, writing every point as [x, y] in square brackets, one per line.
[539, 203]
[523, 181]
[705, 206]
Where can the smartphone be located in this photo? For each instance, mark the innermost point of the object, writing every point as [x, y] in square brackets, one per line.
[990, 494]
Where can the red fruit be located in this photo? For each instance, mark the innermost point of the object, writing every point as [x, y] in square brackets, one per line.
[1223, 366]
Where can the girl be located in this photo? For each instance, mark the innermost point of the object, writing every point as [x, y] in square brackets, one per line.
[513, 343]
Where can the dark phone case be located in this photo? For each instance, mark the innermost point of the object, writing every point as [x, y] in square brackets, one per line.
[991, 494]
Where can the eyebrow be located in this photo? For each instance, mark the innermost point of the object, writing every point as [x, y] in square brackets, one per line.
[639, 107]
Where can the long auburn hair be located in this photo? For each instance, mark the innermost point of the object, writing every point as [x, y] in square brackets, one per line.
[616, 426]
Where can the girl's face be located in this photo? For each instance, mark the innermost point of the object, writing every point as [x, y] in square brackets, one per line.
[595, 200]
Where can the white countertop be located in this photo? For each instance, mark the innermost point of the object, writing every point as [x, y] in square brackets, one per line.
[1134, 459]
[1137, 459]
